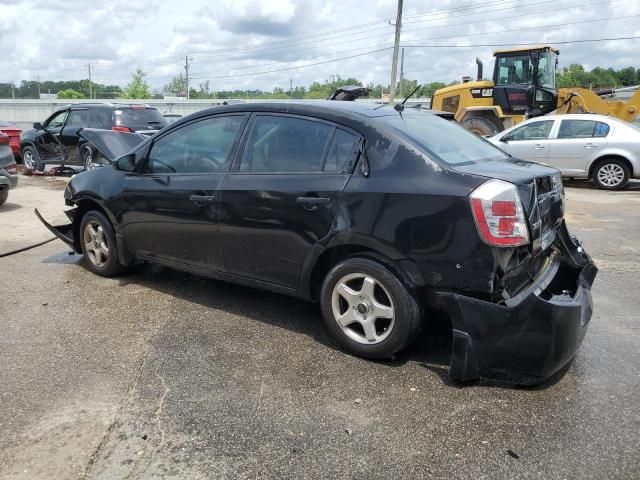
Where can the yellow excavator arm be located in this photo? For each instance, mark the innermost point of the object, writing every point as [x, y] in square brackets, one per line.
[583, 100]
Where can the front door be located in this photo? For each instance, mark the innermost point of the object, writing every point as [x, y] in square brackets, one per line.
[171, 205]
[529, 142]
[577, 143]
[283, 195]
[48, 139]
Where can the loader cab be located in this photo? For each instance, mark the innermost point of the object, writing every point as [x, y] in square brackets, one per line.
[525, 80]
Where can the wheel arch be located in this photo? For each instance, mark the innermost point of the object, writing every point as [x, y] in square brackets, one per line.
[612, 156]
[406, 270]
[83, 205]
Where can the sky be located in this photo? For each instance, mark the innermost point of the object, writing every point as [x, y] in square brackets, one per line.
[238, 43]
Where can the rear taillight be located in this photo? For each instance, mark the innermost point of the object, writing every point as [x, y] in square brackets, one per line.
[4, 140]
[499, 215]
[118, 128]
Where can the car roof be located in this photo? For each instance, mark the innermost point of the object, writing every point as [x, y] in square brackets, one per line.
[311, 107]
[576, 116]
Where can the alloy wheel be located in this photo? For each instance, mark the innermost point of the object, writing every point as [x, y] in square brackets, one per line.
[610, 174]
[362, 308]
[95, 244]
[28, 159]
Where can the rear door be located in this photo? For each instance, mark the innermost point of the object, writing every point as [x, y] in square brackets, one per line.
[576, 143]
[171, 206]
[78, 119]
[529, 142]
[282, 195]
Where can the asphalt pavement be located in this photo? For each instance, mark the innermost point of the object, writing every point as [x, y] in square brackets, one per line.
[161, 374]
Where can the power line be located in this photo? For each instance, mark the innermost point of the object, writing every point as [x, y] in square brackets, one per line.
[586, 40]
[294, 67]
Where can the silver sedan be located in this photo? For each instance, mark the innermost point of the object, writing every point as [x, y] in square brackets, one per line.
[602, 148]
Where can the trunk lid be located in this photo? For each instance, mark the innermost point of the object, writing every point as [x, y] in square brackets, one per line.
[540, 190]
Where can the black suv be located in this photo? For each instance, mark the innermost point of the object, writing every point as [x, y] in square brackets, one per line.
[379, 215]
[56, 141]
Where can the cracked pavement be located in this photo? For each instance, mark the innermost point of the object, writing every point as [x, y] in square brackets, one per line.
[162, 374]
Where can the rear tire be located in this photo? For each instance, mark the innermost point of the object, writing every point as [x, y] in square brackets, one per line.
[4, 194]
[86, 156]
[481, 126]
[611, 174]
[368, 310]
[98, 243]
[31, 159]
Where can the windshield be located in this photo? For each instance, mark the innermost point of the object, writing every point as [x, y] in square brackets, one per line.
[547, 70]
[444, 140]
[139, 116]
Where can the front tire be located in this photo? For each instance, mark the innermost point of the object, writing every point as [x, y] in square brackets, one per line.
[4, 194]
[98, 242]
[611, 174]
[368, 310]
[481, 126]
[31, 159]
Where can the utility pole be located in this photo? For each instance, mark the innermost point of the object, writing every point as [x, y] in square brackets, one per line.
[291, 88]
[396, 46]
[90, 93]
[13, 95]
[38, 82]
[401, 90]
[186, 69]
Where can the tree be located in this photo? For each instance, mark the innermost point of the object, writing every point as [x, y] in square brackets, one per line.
[71, 94]
[177, 86]
[627, 76]
[138, 87]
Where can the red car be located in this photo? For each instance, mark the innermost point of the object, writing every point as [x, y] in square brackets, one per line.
[13, 132]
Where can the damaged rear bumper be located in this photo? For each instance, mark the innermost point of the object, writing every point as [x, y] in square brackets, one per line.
[532, 335]
[63, 232]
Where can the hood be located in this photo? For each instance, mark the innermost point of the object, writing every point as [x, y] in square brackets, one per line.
[110, 144]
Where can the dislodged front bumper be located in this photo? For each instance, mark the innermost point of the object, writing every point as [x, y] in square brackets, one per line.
[63, 232]
[532, 335]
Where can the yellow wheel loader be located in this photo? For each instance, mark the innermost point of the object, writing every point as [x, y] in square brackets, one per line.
[523, 86]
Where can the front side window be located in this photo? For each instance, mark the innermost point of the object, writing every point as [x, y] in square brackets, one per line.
[199, 147]
[547, 70]
[443, 139]
[582, 129]
[56, 120]
[78, 118]
[279, 144]
[532, 131]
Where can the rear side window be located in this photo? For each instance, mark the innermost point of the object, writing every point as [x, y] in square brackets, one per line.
[582, 129]
[138, 116]
[445, 140]
[199, 147]
[286, 145]
[100, 118]
[532, 131]
[342, 152]
[78, 118]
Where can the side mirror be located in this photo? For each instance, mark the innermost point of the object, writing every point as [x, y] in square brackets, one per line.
[126, 163]
[37, 126]
[505, 138]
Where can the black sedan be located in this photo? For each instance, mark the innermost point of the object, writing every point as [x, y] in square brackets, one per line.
[379, 215]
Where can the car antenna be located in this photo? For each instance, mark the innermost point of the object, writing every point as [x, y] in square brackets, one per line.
[399, 107]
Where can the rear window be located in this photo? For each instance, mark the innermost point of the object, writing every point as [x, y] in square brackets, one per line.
[443, 139]
[139, 116]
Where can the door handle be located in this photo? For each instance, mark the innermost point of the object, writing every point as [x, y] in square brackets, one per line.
[538, 146]
[312, 203]
[202, 199]
[590, 145]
